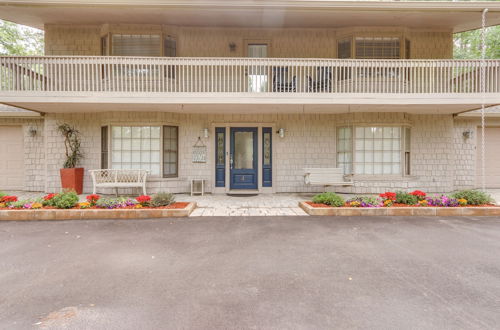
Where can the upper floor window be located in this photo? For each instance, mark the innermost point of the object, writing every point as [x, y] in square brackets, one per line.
[372, 48]
[377, 47]
[136, 45]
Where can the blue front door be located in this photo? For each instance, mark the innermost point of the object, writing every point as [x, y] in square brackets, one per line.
[243, 158]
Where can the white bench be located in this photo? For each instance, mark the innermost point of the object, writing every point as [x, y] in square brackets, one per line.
[326, 177]
[111, 178]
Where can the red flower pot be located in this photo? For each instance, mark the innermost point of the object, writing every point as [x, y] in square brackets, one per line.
[72, 179]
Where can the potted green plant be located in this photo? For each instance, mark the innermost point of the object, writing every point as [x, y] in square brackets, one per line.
[71, 176]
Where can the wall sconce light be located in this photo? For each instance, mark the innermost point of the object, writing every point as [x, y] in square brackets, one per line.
[232, 46]
[205, 133]
[32, 131]
[467, 134]
[281, 132]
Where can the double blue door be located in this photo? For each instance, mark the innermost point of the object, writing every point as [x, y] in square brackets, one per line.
[243, 158]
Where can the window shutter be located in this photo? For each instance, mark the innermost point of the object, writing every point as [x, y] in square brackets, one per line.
[104, 46]
[104, 147]
[170, 47]
[407, 144]
[170, 151]
[344, 48]
[136, 45]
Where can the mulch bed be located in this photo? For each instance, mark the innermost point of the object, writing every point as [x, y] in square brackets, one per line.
[317, 205]
[176, 205]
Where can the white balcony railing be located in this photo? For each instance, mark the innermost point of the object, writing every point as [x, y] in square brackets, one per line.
[68, 75]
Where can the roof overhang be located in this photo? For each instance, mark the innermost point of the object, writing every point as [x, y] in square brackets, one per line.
[450, 16]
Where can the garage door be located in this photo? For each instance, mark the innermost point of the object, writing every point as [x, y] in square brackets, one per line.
[11, 158]
[492, 137]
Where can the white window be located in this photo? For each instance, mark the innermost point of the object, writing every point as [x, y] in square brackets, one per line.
[372, 150]
[136, 147]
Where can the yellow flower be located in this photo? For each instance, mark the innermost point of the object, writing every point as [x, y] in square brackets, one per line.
[354, 204]
[84, 205]
[138, 206]
[462, 201]
[387, 202]
[423, 202]
[2, 205]
[36, 205]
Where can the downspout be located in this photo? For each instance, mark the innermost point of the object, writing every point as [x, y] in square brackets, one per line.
[483, 96]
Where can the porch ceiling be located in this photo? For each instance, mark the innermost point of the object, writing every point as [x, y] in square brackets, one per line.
[456, 16]
[69, 107]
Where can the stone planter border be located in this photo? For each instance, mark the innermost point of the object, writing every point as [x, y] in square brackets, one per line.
[93, 214]
[401, 211]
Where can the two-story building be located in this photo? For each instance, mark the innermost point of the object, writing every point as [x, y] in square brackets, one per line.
[246, 94]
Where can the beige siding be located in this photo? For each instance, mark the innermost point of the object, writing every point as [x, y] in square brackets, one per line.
[214, 42]
[309, 142]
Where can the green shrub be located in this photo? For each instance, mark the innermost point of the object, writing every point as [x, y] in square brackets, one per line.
[406, 198]
[162, 199]
[473, 197]
[329, 198]
[17, 205]
[64, 200]
[2, 194]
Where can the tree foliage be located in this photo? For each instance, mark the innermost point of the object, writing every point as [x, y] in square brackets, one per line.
[21, 40]
[467, 45]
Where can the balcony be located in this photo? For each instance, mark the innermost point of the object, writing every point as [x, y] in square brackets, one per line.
[51, 84]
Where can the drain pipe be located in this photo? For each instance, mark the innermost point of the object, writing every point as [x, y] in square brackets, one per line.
[483, 96]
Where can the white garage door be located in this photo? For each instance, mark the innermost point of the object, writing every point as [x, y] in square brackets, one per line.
[492, 137]
[11, 158]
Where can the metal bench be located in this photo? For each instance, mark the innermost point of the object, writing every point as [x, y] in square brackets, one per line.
[111, 178]
[326, 177]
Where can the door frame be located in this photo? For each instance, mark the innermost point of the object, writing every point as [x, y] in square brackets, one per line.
[228, 125]
[255, 161]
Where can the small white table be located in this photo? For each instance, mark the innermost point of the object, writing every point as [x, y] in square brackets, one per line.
[197, 183]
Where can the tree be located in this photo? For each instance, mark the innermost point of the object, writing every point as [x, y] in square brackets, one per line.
[17, 39]
[467, 45]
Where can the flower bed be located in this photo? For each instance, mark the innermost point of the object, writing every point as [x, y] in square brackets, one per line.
[417, 202]
[65, 205]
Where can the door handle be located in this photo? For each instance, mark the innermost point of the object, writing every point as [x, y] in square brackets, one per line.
[231, 161]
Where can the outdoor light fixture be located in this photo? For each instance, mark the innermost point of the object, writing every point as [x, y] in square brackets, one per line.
[32, 131]
[281, 132]
[467, 134]
[205, 133]
[232, 46]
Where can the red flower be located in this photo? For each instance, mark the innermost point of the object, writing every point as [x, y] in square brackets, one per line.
[143, 199]
[49, 197]
[92, 199]
[388, 195]
[8, 199]
[418, 193]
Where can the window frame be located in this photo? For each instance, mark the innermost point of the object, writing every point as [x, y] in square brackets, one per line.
[161, 175]
[405, 149]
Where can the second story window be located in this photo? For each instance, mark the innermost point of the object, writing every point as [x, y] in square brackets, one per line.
[377, 47]
[372, 48]
[136, 45]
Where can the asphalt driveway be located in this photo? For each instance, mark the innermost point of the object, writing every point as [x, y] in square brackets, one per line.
[251, 273]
